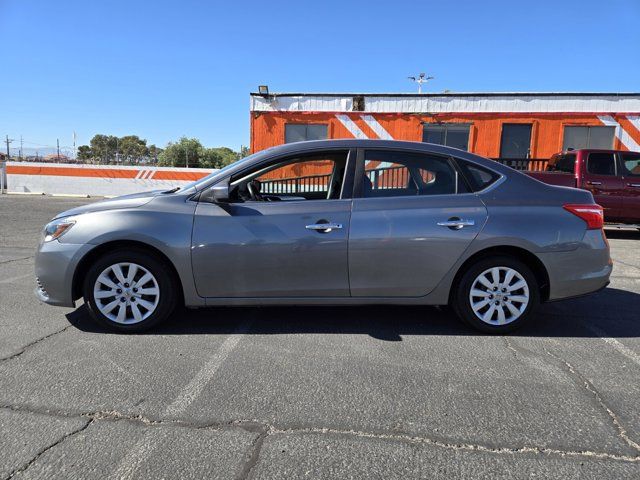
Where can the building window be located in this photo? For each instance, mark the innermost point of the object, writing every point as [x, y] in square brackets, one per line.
[299, 132]
[450, 134]
[516, 140]
[588, 137]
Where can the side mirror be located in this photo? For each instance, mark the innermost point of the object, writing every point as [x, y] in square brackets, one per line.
[220, 192]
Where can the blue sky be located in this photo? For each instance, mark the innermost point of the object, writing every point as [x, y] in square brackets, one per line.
[163, 69]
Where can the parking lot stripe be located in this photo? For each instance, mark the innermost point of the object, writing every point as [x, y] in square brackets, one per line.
[620, 347]
[141, 450]
[197, 383]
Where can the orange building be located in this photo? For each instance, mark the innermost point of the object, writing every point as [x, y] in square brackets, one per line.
[495, 125]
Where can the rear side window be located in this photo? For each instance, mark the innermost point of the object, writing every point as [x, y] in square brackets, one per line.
[631, 164]
[601, 164]
[478, 177]
[397, 174]
[562, 163]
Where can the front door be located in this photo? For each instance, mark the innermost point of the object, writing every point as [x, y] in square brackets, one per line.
[284, 233]
[413, 220]
[605, 183]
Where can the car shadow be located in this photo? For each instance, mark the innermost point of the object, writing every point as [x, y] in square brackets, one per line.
[612, 311]
[622, 234]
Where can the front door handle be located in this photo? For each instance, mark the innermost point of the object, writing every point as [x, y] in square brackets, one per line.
[456, 223]
[324, 227]
[594, 183]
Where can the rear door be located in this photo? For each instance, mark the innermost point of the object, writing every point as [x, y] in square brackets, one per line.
[630, 166]
[412, 219]
[605, 182]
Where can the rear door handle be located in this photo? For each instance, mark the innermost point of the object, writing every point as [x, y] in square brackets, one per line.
[324, 227]
[456, 223]
[594, 183]
[637, 185]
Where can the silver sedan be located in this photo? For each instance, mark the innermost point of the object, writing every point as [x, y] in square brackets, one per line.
[332, 222]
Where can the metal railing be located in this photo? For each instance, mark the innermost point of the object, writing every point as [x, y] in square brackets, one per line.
[535, 164]
[309, 183]
[381, 178]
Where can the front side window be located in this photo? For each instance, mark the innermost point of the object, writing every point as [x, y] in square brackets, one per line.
[454, 135]
[300, 132]
[317, 176]
[588, 137]
[601, 164]
[631, 164]
[395, 173]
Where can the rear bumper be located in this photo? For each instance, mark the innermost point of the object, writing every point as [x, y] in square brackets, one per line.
[55, 265]
[579, 272]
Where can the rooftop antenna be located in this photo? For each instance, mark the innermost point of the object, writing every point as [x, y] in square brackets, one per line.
[420, 79]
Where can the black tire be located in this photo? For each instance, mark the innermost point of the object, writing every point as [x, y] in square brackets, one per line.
[167, 285]
[461, 303]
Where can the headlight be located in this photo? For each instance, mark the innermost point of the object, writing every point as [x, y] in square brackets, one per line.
[57, 228]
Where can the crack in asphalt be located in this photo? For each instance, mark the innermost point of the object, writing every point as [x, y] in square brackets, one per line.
[589, 387]
[254, 454]
[16, 259]
[509, 345]
[49, 447]
[626, 264]
[35, 342]
[266, 430]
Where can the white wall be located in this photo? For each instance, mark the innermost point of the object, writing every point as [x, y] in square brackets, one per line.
[40, 178]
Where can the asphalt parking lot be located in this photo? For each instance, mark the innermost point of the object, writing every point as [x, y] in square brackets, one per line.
[373, 392]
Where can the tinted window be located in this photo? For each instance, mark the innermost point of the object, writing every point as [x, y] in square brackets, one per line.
[516, 140]
[562, 163]
[391, 174]
[478, 177]
[588, 137]
[631, 164]
[300, 132]
[449, 134]
[601, 164]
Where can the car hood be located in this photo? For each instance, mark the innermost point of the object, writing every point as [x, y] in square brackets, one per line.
[125, 201]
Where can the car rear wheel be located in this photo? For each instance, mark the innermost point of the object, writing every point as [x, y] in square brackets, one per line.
[496, 295]
[129, 291]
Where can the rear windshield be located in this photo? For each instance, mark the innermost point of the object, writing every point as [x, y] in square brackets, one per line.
[562, 163]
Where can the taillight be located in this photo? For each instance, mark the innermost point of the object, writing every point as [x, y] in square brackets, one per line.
[592, 214]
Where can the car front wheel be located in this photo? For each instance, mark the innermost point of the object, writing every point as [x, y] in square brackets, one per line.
[129, 291]
[496, 295]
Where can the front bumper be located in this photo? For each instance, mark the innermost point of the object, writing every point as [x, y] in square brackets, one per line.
[581, 271]
[55, 265]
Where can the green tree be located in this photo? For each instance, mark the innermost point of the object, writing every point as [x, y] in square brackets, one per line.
[104, 147]
[84, 152]
[218, 157]
[153, 153]
[185, 152]
[132, 148]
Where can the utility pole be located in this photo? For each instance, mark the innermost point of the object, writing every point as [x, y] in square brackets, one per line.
[3, 168]
[20, 156]
[186, 157]
[58, 148]
[75, 153]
